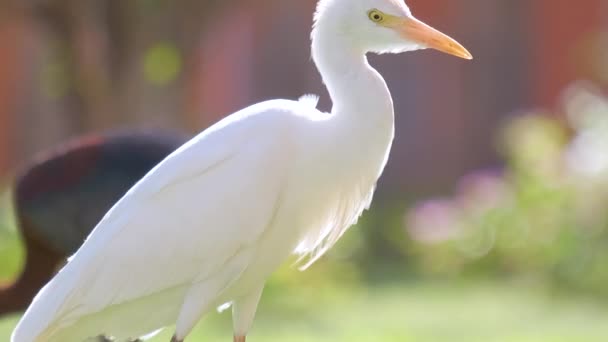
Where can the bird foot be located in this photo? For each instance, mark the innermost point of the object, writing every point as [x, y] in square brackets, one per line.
[174, 339]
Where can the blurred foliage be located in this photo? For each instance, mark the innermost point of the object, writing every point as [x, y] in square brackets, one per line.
[543, 215]
[11, 254]
[162, 64]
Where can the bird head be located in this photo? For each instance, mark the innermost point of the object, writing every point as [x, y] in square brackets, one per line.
[383, 26]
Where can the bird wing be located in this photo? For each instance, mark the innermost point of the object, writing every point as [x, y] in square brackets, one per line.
[201, 208]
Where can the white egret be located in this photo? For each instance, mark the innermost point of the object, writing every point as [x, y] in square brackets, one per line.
[212, 221]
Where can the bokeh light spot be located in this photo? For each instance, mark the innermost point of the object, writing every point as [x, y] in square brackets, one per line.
[162, 64]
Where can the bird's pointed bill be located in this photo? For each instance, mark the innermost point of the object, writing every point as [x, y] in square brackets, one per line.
[415, 30]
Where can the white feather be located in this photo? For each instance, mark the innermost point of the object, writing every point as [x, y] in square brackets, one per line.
[309, 100]
[146, 245]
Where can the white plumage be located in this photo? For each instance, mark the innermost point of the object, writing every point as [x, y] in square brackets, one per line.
[210, 223]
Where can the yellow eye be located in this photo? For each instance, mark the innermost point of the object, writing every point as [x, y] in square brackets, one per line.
[375, 16]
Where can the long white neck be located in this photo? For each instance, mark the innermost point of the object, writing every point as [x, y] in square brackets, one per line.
[358, 92]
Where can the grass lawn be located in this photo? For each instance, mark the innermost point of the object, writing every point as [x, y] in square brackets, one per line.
[299, 310]
[414, 312]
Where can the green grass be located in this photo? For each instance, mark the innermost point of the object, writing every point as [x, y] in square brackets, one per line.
[414, 312]
[306, 307]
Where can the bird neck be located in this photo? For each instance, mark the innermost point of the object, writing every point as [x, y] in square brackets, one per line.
[358, 91]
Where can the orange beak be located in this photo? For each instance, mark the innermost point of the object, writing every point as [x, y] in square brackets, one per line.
[419, 32]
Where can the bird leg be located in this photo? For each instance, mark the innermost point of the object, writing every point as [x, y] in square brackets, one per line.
[239, 338]
[174, 339]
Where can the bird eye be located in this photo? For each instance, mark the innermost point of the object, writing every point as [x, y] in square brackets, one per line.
[375, 16]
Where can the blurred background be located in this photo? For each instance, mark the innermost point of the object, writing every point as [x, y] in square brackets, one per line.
[490, 222]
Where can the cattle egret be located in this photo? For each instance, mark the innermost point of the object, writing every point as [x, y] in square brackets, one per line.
[212, 221]
[65, 190]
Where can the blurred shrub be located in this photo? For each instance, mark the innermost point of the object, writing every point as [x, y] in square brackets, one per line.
[11, 254]
[545, 214]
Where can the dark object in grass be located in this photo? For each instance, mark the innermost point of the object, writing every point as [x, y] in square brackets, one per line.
[62, 194]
